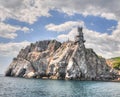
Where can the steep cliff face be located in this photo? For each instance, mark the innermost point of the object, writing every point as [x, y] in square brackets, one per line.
[55, 60]
[33, 60]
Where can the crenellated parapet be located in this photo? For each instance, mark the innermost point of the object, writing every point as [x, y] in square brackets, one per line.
[79, 38]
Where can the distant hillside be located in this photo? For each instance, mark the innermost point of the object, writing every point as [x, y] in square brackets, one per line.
[114, 62]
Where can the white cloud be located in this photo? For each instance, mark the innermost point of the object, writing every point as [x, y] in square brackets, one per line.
[9, 31]
[111, 28]
[11, 48]
[25, 29]
[24, 10]
[8, 51]
[116, 32]
[70, 35]
[29, 10]
[65, 26]
[102, 43]
[109, 9]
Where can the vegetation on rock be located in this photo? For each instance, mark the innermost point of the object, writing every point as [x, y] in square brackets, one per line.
[116, 63]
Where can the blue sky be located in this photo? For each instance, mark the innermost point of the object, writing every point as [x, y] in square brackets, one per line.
[38, 31]
[26, 21]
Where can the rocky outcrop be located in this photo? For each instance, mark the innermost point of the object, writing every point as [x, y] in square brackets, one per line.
[54, 60]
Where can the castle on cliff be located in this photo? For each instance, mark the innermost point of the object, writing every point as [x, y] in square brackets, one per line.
[79, 38]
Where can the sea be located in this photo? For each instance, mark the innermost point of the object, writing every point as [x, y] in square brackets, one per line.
[21, 87]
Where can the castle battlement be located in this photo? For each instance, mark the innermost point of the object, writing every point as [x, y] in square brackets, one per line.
[79, 38]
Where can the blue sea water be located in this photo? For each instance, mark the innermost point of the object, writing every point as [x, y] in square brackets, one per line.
[20, 87]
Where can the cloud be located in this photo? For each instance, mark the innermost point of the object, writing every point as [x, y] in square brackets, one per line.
[70, 35]
[107, 45]
[9, 31]
[104, 44]
[65, 26]
[109, 9]
[24, 10]
[111, 28]
[8, 51]
[29, 10]
[11, 48]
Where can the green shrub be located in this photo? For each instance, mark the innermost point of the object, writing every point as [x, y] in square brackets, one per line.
[116, 65]
[116, 62]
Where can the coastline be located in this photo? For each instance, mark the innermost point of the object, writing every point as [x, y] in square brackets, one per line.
[115, 80]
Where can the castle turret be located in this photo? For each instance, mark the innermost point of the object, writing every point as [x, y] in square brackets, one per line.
[79, 38]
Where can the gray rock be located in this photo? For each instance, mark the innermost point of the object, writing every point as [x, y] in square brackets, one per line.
[55, 60]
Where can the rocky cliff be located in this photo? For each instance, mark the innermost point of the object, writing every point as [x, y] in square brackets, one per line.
[54, 60]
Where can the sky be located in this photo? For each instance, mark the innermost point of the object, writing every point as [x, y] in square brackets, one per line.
[26, 21]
